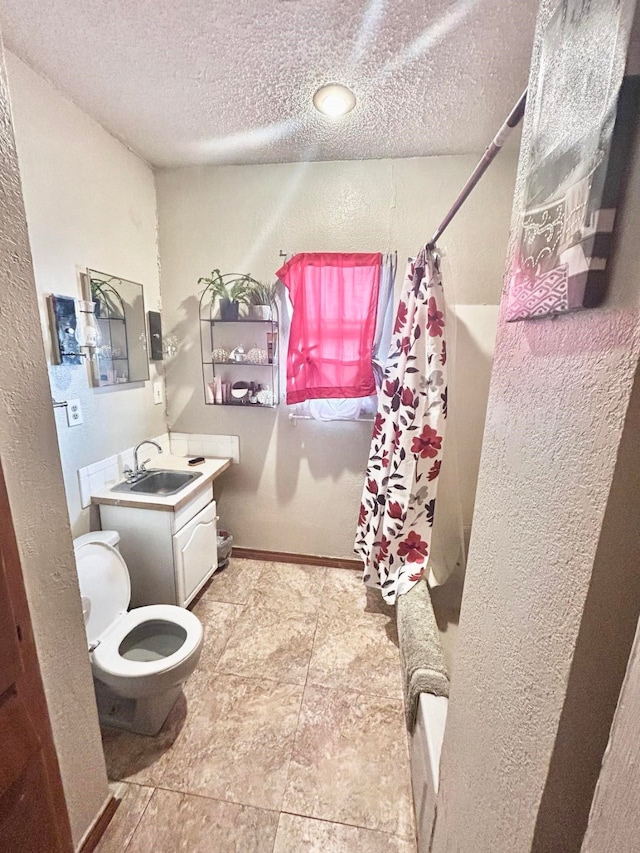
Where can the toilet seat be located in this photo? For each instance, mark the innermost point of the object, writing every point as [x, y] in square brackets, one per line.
[107, 657]
[133, 694]
[105, 587]
[106, 592]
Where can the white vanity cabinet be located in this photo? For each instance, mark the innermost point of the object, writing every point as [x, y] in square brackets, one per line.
[170, 553]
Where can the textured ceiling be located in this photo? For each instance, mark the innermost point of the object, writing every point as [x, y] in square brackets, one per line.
[200, 81]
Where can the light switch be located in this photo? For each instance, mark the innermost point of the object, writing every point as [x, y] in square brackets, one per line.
[158, 396]
[74, 413]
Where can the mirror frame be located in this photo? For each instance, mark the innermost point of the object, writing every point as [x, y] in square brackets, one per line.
[96, 359]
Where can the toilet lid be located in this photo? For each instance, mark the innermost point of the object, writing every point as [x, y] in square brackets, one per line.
[104, 586]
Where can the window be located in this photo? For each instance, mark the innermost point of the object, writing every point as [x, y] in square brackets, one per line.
[340, 306]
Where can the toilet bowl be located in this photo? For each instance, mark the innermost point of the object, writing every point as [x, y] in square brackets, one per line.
[140, 658]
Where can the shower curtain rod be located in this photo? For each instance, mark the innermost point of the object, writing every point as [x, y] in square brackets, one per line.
[513, 120]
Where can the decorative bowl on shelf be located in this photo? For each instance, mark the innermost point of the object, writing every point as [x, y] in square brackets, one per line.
[257, 355]
[265, 397]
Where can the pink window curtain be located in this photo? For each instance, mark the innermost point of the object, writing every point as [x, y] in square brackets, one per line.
[335, 298]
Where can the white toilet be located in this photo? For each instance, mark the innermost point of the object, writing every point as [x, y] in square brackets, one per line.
[140, 658]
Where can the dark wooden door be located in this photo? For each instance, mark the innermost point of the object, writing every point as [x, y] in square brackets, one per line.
[33, 814]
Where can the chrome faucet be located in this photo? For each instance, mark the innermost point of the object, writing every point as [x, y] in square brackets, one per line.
[139, 469]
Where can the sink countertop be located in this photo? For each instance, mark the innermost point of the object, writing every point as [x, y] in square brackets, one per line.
[210, 469]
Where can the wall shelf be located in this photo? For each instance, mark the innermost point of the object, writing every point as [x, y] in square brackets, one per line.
[217, 321]
[242, 364]
[242, 405]
[248, 332]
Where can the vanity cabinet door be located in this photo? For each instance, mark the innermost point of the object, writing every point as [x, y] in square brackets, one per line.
[195, 553]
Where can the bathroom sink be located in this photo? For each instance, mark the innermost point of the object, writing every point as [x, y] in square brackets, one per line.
[160, 483]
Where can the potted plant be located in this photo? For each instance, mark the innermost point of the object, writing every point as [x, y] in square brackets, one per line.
[231, 293]
[238, 293]
[262, 300]
[214, 286]
[106, 299]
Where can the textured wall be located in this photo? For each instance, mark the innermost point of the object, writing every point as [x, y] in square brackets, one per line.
[549, 605]
[34, 480]
[90, 203]
[614, 823]
[470, 348]
[298, 487]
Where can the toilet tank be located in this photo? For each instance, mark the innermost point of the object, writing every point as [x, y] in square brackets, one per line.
[109, 537]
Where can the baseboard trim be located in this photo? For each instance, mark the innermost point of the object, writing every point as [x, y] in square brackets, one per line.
[304, 559]
[99, 827]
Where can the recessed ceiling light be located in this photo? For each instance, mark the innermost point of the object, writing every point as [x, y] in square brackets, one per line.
[334, 99]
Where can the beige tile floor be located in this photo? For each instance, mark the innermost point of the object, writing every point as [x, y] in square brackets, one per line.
[290, 736]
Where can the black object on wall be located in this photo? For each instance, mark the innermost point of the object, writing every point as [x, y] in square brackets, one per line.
[64, 321]
[155, 335]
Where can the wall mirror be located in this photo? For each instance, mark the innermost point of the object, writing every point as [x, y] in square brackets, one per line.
[121, 351]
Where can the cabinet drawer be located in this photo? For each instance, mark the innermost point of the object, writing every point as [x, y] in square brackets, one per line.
[195, 553]
[201, 499]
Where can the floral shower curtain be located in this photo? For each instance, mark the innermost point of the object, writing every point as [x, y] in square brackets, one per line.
[399, 497]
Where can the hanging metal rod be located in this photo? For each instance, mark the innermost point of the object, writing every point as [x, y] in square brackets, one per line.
[513, 120]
